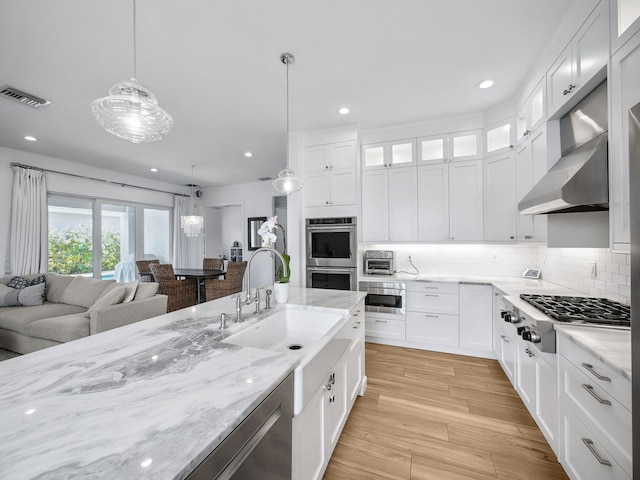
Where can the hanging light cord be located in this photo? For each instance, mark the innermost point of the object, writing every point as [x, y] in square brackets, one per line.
[287, 151]
[135, 52]
[193, 205]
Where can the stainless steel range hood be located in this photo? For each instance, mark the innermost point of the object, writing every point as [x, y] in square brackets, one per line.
[579, 181]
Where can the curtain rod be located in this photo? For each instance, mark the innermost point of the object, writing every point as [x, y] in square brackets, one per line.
[21, 165]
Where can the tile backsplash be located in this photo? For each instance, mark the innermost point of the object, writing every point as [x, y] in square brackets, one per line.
[569, 267]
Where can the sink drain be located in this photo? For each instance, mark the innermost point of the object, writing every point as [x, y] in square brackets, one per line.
[294, 346]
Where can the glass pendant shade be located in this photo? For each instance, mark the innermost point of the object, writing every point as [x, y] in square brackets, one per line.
[191, 225]
[131, 111]
[287, 182]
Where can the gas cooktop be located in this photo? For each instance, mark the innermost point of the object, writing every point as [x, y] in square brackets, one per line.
[581, 309]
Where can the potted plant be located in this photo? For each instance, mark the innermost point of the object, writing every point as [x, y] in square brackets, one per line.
[269, 239]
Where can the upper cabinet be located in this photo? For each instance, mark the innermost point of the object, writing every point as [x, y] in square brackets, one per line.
[330, 174]
[580, 61]
[625, 21]
[532, 113]
[450, 147]
[399, 153]
[499, 137]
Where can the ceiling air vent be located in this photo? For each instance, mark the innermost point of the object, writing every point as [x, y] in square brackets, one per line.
[22, 97]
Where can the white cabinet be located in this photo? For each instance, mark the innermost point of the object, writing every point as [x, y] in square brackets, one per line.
[532, 113]
[450, 147]
[531, 165]
[625, 21]
[400, 153]
[537, 385]
[476, 316]
[500, 197]
[433, 202]
[330, 177]
[625, 93]
[384, 327]
[580, 61]
[317, 428]
[465, 201]
[596, 421]
[432, 313]
[390, 205]
[504, 341]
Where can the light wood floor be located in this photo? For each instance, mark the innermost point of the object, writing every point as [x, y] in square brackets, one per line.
[429, 415]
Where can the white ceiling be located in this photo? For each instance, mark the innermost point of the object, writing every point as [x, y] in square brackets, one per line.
[214, 66]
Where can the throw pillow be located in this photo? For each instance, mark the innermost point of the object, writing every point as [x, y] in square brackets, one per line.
[114, 297]
[84, 292]
[146, 290]
[20, 282]
[30, 296]
[131, 288]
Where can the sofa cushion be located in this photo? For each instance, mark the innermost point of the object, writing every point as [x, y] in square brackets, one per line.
[18, 318]
[56, 285]
[146, 290]
[131, 288]
[60, 329]
[116, 295]
[84, 291]
[10, 297]
[21, 282]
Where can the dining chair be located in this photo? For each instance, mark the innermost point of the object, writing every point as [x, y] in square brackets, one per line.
[213, 263]
[232, 283]
[144, 271]
[181, 293]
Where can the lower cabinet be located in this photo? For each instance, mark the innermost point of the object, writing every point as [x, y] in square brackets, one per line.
[317, 428]
[504, 340]
[537, 385]
[595, 416]
[476, 317]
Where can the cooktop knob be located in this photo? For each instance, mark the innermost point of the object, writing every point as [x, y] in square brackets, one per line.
[511, 317]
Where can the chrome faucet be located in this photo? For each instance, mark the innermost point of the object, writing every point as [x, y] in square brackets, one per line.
[247, 278]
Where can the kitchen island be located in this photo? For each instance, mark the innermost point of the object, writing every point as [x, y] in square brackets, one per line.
[149, 400]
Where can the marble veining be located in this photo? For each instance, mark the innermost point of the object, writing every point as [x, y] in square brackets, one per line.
[611, 347]
[148, 400]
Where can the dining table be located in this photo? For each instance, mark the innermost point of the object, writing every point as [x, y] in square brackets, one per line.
[200, 275]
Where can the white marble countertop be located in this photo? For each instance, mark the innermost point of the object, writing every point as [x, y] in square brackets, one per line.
[148, 400]
[610, 346]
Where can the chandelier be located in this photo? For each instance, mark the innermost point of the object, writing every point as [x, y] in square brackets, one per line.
[131, 111]
[192, 224]
[287, 181]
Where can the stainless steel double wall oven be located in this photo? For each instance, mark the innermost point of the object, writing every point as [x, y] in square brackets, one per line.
[331, 253]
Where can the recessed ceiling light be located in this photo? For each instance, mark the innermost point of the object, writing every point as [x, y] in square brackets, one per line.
[31, 138]
[248, 154]
[153, 169]
[485, 84]
[343, 111]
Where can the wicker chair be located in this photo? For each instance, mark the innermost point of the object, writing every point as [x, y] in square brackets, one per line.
[144, 271]
[181, 293]
[213, 264]
[232, 283]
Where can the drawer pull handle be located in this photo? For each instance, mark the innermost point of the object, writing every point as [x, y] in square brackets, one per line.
[529, 352]
[431, 316]
[381, 321]
[505, 339]
[431, 295]
[589, 367]
[589, 389]
[589, 444]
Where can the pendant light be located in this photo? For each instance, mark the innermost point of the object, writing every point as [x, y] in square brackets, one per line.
[192, 224]
[131, 111]
[287, 181]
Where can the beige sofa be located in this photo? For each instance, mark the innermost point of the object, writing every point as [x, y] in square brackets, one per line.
[75, 307]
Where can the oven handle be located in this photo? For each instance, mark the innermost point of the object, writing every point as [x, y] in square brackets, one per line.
[350, 271]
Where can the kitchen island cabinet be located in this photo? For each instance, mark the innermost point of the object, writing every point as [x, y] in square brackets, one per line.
[149, 400]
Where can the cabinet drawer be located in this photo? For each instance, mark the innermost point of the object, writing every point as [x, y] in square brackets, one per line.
[582, 455]
[445, 303]
[602, 413]
[433, 287]
[614, 383]
[384, 328]
[432, 328]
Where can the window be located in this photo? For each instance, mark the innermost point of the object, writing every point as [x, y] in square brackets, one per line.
[95, 238]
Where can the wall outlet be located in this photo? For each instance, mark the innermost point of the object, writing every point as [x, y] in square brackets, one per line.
[594, 269]
[494, 257]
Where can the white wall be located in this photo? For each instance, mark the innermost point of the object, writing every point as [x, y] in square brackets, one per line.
[64, 184]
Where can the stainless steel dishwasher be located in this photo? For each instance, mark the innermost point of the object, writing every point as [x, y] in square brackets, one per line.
[260, 447]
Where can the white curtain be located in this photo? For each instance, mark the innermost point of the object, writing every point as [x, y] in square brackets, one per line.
[28, 222]
[188, 252]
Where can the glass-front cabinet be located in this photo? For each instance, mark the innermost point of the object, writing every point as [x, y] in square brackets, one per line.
[400, 153]
[450, 147]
